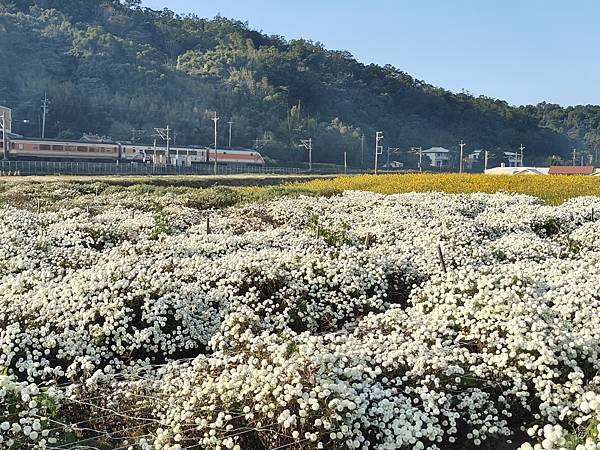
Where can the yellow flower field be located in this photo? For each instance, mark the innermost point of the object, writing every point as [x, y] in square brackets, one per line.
[554, 189]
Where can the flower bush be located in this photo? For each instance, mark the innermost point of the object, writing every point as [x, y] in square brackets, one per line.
[358, 321]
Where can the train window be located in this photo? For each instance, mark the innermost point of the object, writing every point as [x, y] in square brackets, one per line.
[57, 148]
[44, 147]
[36, 147]
[70, 148]
[82, 149]
[20, 146]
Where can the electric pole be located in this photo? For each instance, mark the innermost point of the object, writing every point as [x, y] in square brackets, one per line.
[462, 146]
[165, 134]
[45, 110]
[420, 149]
[522, 148]
[485, 161]
[574, 155]
[215, 120]
[345, 164]
[362, 151]
[307, 144]
[393, 151]
[230, 124]
[4, 135]
[378, 148]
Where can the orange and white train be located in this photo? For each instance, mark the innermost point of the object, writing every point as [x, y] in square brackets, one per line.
[46, 149]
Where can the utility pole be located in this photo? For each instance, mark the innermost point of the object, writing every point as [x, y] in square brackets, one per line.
[165, 134]
[391, 150]
[378, 148]
[574, 155]
[485, 161]
[307, 144]
[420, 149]
[45, 110]
[522, 148]
[168, 144]
[4, 135]
[462, 146]
[362, 151]
[345, 164]
[215, 120]
[230, 124]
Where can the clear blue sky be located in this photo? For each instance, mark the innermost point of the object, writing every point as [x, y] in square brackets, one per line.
[522, 51]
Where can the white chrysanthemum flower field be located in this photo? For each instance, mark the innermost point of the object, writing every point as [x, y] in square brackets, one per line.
[359, 321]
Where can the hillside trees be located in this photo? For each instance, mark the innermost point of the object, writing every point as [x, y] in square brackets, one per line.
[111, 66]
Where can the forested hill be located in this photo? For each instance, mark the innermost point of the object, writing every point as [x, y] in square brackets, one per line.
[111, 67]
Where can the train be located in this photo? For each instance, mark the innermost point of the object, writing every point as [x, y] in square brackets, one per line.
[63, 150]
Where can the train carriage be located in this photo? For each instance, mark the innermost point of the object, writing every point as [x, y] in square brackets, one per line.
[63, 150]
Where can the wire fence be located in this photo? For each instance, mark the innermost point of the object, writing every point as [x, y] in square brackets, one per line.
[8, 167]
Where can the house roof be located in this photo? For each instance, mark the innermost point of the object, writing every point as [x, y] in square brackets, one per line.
[436, 150]
[571, 170]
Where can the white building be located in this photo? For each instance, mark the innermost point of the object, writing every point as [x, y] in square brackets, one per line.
[503, 170]
[439, 156]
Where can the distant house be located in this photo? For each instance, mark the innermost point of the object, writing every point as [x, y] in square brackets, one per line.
[439, 156]
[571, 170]
[513, 158]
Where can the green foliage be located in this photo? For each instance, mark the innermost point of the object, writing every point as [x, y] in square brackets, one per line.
[331, 237]
[111, 66]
